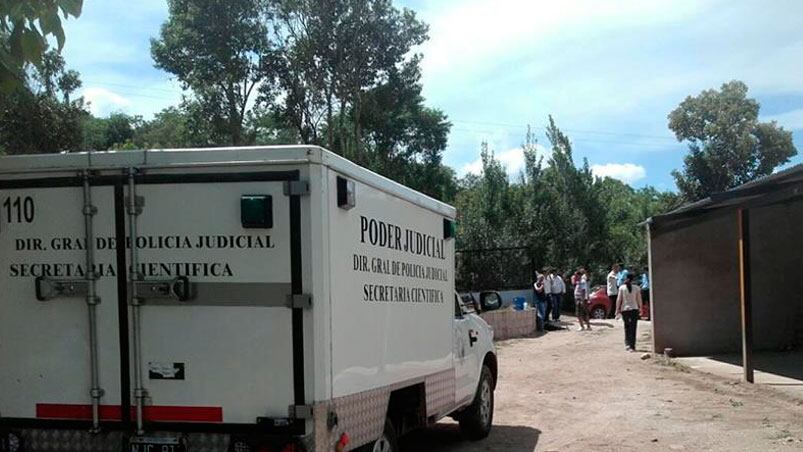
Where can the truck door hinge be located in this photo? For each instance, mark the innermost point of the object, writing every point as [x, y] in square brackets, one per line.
[139, 202]
[299, 301]
[300, 412]
[296, 188]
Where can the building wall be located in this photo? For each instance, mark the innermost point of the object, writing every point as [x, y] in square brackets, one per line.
[776, 235]
[695, 287]
[695, 282]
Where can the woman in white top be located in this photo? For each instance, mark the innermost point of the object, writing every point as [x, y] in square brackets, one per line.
[628, 305]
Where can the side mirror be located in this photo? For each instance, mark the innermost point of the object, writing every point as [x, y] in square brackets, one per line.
[490, 301]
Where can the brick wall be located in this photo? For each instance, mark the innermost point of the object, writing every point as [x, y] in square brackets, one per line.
[508, 324]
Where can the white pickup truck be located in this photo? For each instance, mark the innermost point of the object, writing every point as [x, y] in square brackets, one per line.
[239, 299]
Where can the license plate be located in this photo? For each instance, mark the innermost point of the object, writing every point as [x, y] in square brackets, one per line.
[156, 444]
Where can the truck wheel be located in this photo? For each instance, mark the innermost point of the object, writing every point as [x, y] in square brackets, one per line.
[476, 420]
[386, 443]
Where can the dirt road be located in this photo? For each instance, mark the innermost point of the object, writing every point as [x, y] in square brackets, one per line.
[580, 391]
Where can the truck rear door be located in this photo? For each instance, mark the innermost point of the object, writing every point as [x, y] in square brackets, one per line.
[45, 334]
[213, 267]
[226, 353]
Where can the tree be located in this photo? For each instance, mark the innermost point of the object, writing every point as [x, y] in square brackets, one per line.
[113, 132]
[403, 139]
[39, 116]
[24, 27]
[333, 54]
[220, 51]
[167, 129]
[728, 146]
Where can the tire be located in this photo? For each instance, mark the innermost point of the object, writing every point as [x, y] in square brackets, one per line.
[388, 442]
[477, 419]
[599, 313]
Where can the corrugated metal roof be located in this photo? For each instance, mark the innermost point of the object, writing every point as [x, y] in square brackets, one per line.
[736, 196]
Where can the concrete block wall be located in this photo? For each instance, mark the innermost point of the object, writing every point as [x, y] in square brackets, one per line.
[776, 236]
[695, 282]
[695, 287]
[509, 324]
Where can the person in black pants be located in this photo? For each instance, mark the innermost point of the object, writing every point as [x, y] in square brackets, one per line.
[628, 305]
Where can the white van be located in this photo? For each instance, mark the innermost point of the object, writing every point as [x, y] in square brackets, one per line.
[231, 299]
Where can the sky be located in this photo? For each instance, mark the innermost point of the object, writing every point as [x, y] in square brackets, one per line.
[609, 72]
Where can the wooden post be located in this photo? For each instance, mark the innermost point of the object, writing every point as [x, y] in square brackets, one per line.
[745, 290]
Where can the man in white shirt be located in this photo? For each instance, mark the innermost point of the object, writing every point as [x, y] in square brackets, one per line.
[613, 288]
[548, 282]
[558, 288]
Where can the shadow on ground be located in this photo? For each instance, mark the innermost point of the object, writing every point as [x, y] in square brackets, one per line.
[787, 364]
[447, 437]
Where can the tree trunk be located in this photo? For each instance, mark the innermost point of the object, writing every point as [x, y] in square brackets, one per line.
[358, 127]
[330, 138]
[342, 126]
[235, 121]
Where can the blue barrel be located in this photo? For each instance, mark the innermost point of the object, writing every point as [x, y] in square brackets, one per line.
[519, 303]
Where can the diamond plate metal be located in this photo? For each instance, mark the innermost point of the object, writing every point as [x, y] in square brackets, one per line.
[362, 415]
[440, 390]
[40, 440]
[35, 440]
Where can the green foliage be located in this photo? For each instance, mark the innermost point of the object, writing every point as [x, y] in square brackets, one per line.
[333, 53]
[402, 138]
[167, 129]
[39, 116]
[114, 132]
[24, 28]
[221, 52]
[727, 144]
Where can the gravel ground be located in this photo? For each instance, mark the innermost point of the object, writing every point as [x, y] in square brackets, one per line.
[580, 391]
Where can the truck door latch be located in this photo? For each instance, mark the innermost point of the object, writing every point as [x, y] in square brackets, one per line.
[175, 289]
[48, 289]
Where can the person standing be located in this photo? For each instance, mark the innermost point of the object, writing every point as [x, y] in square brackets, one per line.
[628, 305]
[540, 300]
[621, 274]
[645, 292]
[612, 288]
[558, 290]
[548, 279]
[581, 298]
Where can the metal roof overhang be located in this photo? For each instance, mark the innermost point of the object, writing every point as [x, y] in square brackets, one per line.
[784, 186]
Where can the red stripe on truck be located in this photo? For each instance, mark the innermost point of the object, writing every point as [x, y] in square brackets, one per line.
[114, 412]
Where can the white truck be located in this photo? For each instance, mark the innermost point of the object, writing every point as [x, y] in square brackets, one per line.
[232, 299]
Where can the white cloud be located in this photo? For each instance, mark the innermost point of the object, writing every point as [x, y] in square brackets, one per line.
[791, 120]
[474, 33]
[474, 167]
[103, 101]
[511, 159]
[625, 172]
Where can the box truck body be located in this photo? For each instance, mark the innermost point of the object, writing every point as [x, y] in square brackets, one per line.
[225, 299]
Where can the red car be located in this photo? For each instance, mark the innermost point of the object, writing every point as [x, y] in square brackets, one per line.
[599, 305]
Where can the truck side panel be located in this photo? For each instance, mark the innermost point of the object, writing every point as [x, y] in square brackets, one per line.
[392, 291]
